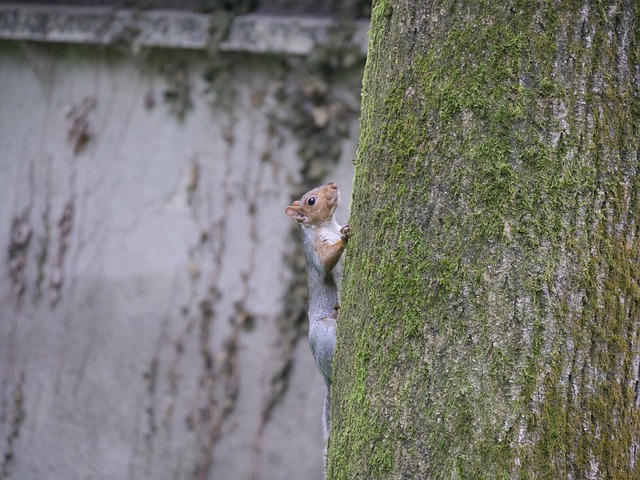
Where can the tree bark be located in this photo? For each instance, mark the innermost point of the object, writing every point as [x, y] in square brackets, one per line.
[489, 325]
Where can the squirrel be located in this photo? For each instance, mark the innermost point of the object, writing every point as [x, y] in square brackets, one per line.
[323, 243]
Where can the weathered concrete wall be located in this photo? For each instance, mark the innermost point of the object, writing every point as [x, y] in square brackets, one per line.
[150, 313]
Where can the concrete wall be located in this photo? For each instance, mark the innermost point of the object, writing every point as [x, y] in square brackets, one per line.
[151, 301]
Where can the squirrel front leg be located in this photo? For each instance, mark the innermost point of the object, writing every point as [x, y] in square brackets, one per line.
[329, 253]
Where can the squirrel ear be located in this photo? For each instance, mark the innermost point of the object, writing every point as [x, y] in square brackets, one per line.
[294, 212]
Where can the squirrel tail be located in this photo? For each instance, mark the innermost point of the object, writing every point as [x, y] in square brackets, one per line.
[325, 416]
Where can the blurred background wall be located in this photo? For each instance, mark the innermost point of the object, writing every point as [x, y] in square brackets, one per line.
[152, 291]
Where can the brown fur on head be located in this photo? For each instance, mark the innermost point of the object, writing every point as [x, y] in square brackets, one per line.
[316, 206]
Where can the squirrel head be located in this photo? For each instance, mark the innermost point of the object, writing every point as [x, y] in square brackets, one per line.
[316, 206]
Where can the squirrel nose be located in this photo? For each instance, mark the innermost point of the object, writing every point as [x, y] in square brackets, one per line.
[332, 185]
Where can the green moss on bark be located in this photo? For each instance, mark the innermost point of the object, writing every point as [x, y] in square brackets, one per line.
[488, 326]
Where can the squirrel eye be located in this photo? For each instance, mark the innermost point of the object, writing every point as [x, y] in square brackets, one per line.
[312, 201]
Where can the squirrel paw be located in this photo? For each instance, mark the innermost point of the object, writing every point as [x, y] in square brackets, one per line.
[346, 232]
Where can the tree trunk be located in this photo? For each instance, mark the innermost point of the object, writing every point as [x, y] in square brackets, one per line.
[489, 322]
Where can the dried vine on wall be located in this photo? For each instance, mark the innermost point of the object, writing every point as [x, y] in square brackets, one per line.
[311, 109]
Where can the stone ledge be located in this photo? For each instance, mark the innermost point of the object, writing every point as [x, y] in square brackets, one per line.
[167, 29]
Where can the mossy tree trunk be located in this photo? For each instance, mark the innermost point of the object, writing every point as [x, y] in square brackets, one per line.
[490, 315]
